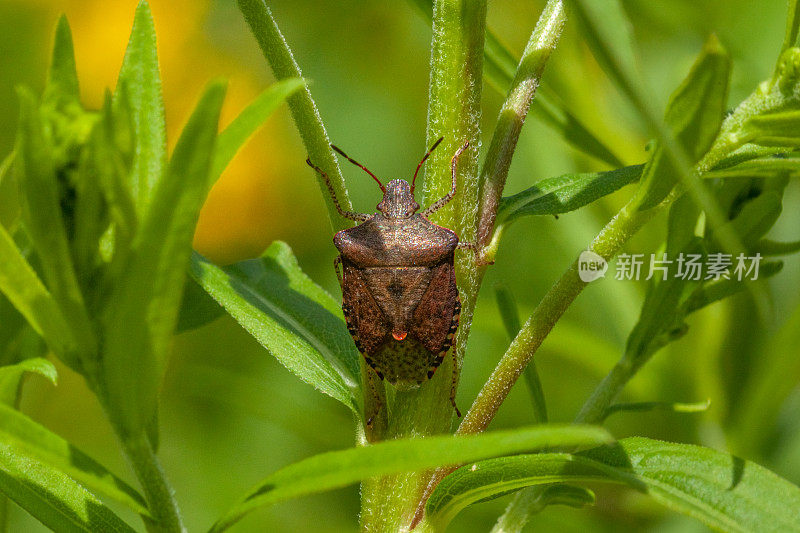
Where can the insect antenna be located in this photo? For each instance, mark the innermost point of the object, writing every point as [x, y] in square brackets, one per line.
[356, 163]
[426, 156]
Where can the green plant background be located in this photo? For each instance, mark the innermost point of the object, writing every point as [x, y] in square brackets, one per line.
[230, 414]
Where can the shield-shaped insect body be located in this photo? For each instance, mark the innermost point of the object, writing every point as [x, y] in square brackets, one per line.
[399, 294]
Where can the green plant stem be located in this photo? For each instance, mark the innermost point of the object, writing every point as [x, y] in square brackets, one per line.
[157, 491]
[512, 116]
[304, 111]
[389, 502]
[454, 111]
[524, 504]
[607, 243]
[595, 407]
[550, 309]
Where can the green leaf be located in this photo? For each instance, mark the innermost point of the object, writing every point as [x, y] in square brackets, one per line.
[553, 112]
[14, 326]
[762, 167]
[42, 215]
[304, 111]
[530, 502]
[606, 29]
[561, 194]
[42, 445]
[52, 497]
[681, 225]
[341, 468]
[755, 218]
[722, 491]
[249, 120]
[694, 115]
[486, 480]
[511, 118]
[111, 174]
[198, 308]
[510, 316]
[11, 377]
[779, 129]
[775, 368]
[293, 318]
[675, 407]
[62, 80]
[792, 28]
[712, 292]
[143, 310]
[660, 320]
[140, 84]
[20, 284]
[507, 305]
[9, 207]
[770, 247]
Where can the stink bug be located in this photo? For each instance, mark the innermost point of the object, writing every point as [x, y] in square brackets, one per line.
[399, 294]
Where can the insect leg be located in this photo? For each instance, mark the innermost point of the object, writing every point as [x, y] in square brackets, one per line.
[473, 247]
[358, 217]
[449, 196]
[454, 382]
[337, 268]
[376, 403]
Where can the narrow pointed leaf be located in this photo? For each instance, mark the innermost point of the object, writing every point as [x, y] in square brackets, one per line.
[694, 115]
[249, 120]
[42, 215]
[608, 32]
[52, 497]
[715, 291]
[722, 491]
[143, 311]
[39, 443]
[20, 284]
[140, 83]
[62, 80]
[675, 407]
[760, 167]
[780, 129]
[111, 174]
[293, 318]
[11, 377]
[302, 106]
[510, 317]
[198, 308]
[770, 247]
[561, 194]
[9, 207]
[341, 468]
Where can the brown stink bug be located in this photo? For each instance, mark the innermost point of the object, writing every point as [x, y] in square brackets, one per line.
[399, 294]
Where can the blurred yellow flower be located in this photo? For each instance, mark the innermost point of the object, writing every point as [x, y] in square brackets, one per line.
[235, 222]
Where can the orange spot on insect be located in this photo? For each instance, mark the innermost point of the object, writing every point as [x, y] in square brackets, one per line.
[398, 336]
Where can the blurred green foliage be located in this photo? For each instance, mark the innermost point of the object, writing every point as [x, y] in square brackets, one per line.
[229, 414]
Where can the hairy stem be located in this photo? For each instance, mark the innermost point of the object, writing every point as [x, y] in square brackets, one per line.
[550, 309]
[389, 503]
[512, 116]
[607, 243]
[157, 491]
[304, 111]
